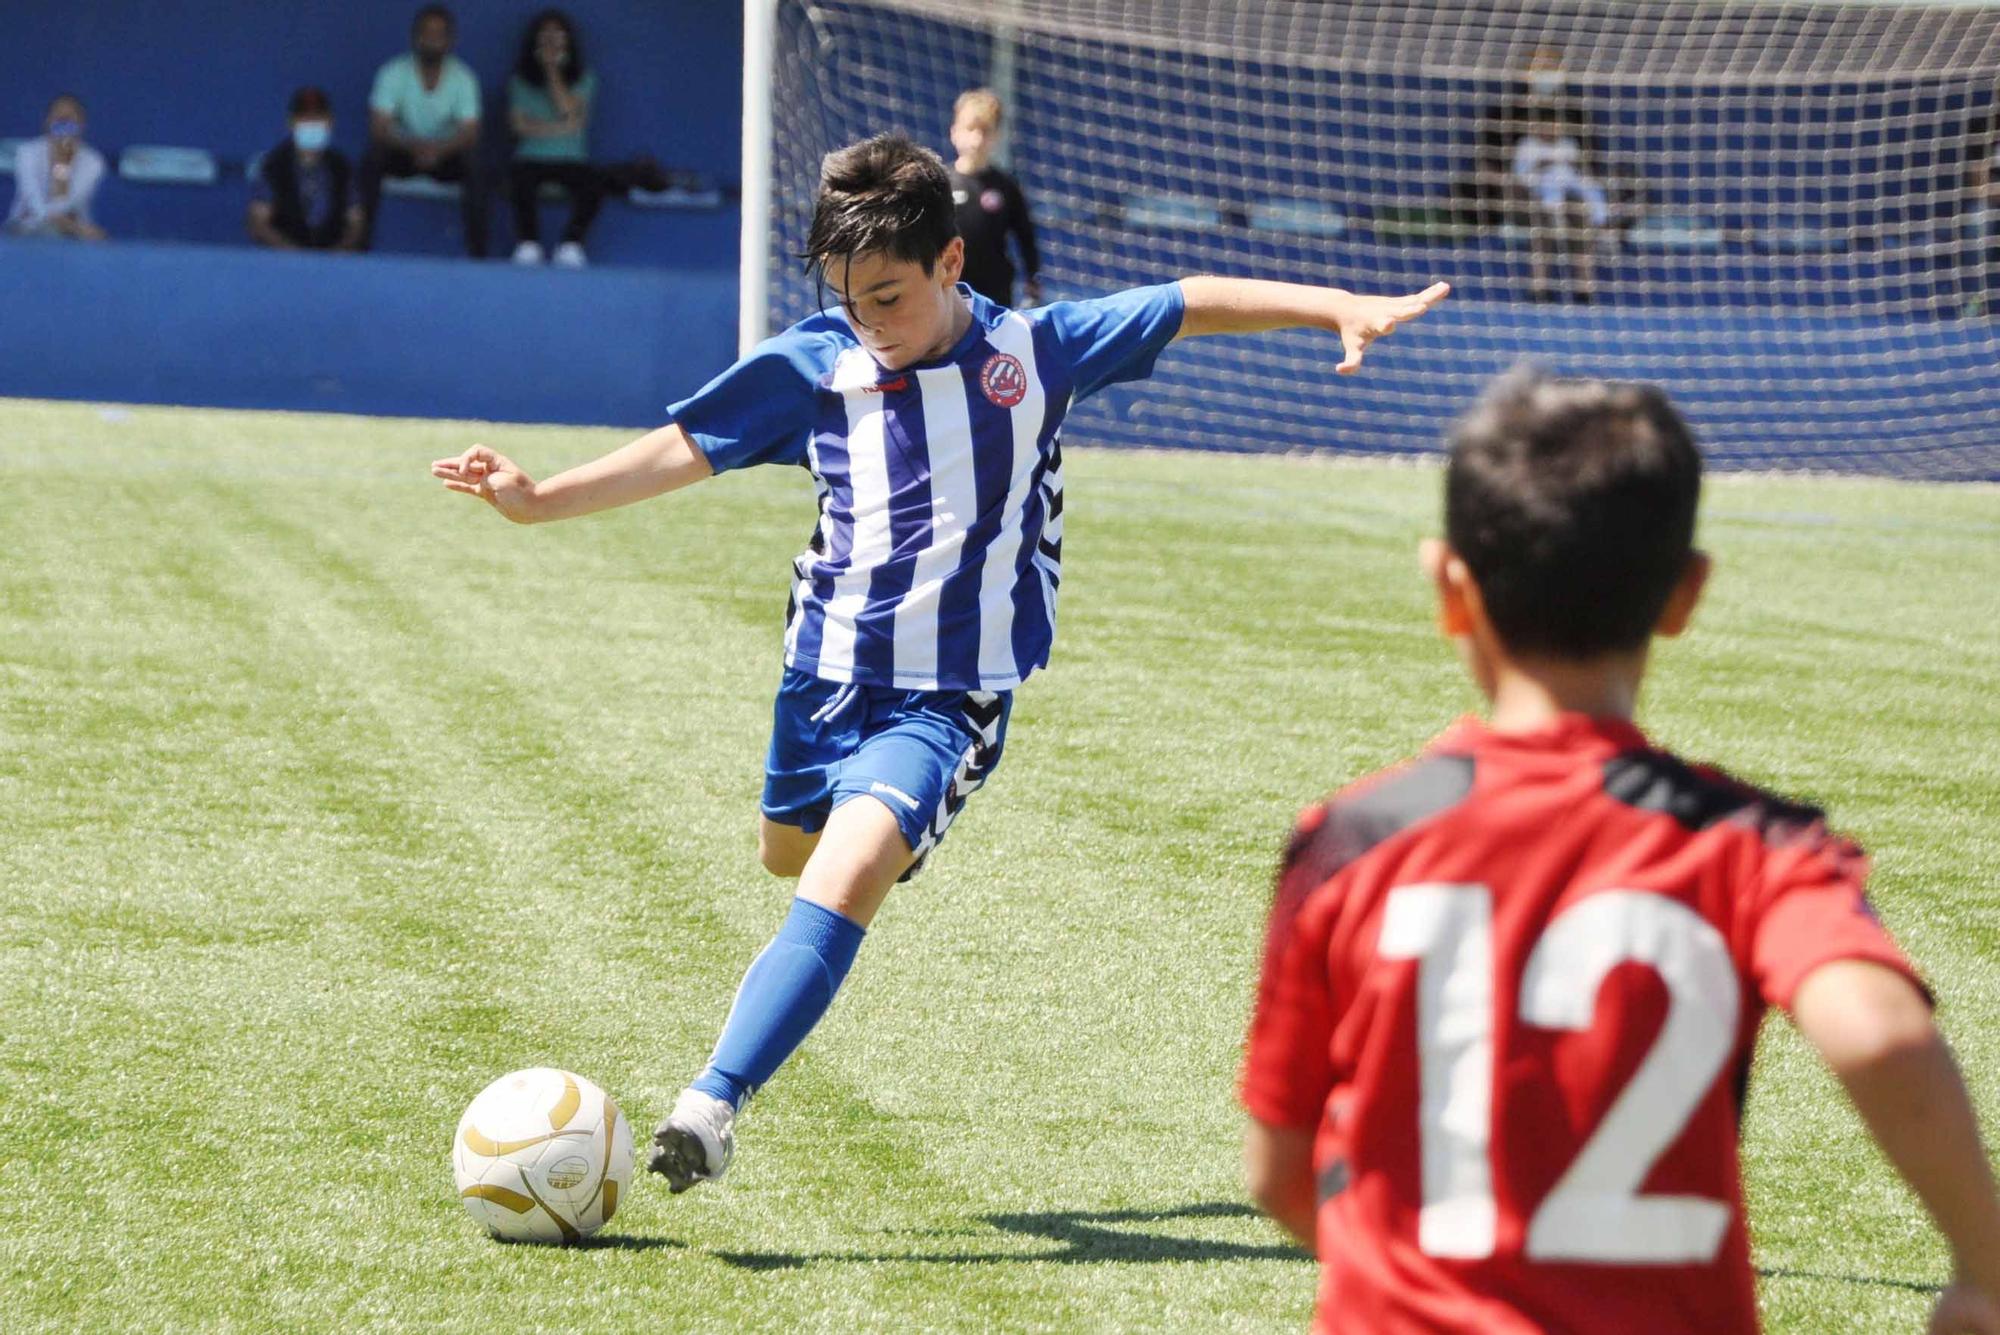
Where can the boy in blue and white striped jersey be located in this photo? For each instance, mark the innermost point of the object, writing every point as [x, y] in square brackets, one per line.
[931, 422]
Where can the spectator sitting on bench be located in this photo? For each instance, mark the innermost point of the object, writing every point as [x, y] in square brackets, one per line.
[1488, 196]
[55, 178]
[423, 120]
[548, 105]
[300, 198]
[1568, 204]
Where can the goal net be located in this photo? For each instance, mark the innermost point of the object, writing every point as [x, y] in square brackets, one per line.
[1788, 214]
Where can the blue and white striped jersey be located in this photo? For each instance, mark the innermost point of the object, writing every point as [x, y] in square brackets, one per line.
[937, 555]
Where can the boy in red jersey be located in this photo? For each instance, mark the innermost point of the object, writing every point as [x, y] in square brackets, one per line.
[1512, 988]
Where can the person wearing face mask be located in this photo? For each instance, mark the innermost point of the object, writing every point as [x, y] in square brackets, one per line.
[56, 177]
[300, 198]
[423, 120]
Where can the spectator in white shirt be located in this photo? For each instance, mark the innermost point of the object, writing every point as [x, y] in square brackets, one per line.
[55, 178]
[1568, 204]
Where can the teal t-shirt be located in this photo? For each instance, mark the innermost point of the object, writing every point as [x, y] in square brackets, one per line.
[426, 113]
[528, 100]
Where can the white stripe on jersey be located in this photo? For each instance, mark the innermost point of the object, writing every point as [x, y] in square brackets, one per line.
[869, 486]
[1016, 337]
[852, 369]
[954, 505]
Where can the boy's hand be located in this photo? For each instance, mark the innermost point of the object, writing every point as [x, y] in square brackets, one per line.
[493, 478]
[1361, 320]
[1964, 1310]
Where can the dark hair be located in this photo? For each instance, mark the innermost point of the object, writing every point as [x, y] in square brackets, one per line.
[529, 69]
[1572, 503]
[434, 12]
[311, 101]
[882, 194]
[65, 97]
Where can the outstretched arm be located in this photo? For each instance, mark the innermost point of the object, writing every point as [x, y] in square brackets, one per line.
[1874, 1029]
[1253, 305]
[658, 462]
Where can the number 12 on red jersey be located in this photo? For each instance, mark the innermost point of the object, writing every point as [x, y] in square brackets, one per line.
[1595, 1212]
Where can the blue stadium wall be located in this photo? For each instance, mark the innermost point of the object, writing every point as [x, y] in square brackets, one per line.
[217, 76]
[181, 309]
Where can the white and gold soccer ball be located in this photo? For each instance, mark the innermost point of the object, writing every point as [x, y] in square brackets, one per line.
[542, 1156]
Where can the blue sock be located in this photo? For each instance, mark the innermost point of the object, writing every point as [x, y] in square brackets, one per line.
[783, 995]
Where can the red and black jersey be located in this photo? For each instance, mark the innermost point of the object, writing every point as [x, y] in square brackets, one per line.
[1513, 986]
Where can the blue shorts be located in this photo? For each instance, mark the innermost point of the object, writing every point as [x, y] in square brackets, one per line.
[919, 753]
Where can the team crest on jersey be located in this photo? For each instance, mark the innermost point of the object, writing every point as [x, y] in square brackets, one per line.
[1004, 379]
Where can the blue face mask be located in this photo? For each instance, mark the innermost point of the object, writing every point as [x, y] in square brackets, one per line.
[312, 136]
[66, 129]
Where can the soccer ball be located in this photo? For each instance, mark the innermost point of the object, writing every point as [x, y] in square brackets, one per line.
[542, 1156]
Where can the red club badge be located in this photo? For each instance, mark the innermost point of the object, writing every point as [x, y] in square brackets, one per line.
[1004, 379]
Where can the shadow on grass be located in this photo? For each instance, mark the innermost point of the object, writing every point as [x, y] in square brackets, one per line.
[624, 1242]
[1084, 1238]
[1866, 1281]
[1096, 1237]
[598, 1242]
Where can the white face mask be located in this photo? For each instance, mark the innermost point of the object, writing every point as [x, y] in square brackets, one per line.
[1546, 83]
[312, 136]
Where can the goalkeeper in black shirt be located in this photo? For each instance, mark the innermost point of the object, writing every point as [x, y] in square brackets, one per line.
[990, 204]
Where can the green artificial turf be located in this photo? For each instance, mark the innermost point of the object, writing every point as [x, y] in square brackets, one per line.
[327, 796]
